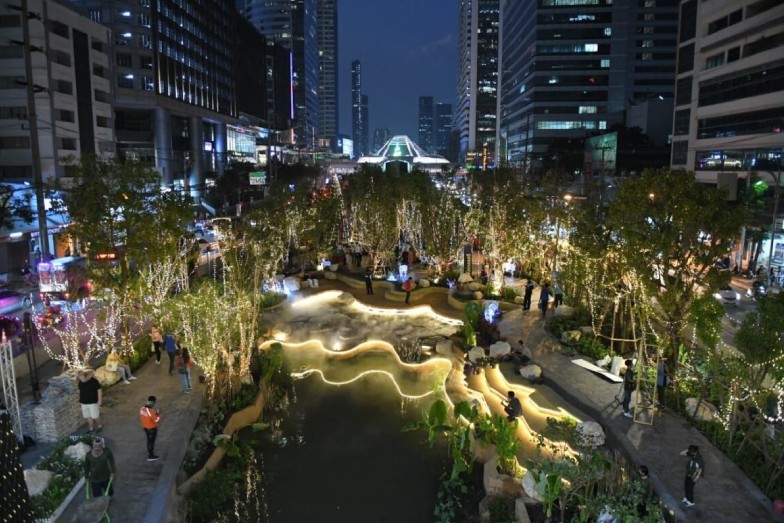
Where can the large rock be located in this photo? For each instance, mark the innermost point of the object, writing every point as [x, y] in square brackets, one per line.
[497, 484]
[292, 283]
[329, 275]
[77, 451]
[529, 487]
[521, 511]
[500, 348]
[465, 278]
[617, 365]
[106, 377]
[569, 337]
[477, 295]
[589, 434]
[532, 372]
[476, 354]
[475, 286]
[564, 311]
[444, 347]
[424, 283]
[37, 480]
[701, 410]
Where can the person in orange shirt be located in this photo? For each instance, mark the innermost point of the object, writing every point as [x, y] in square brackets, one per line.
[150, 416]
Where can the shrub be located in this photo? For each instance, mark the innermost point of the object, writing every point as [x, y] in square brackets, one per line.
[509, 294]
[67, 473]
[593, 347]
[270, 299]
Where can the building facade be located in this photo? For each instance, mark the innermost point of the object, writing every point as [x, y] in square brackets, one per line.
[729, 102]
[442, 127]
[364, 144]
[426, 121]
[327, 17]
[293, 24]
[572, 68]
[359, 123]
[477, 73]
[72, 90]
[172, 65]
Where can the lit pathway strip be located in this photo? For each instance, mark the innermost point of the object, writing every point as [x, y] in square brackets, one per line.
[305, 374]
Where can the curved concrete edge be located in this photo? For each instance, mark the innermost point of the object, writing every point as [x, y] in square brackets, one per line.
[237, 421]
[390, 293]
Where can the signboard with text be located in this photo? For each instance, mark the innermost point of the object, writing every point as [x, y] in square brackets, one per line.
[258, 177]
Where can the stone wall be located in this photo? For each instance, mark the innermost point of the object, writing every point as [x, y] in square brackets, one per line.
[57, 415]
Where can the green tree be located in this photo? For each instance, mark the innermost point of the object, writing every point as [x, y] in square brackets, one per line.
[667, 224]
[761, 340]
[14, 205]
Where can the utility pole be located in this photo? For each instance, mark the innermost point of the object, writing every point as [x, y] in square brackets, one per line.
[38, 183]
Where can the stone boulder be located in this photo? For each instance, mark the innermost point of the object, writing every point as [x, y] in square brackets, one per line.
[532, 373]
[500, 348]
[292, 283]
[521, 511]
[701, 410]
[519, 300]
[329, 275]
[465, 278]
[477, 295]
[474, 286]
[617, 365]
[569, 337]
[77, 451]
[589, 434]
[587, 330]
[444, 347]
[529, 487]
[424, 283]
[564, 311]
[476, 354]
[333, 267]
[497, 484]
[37, 480]
[106, 377]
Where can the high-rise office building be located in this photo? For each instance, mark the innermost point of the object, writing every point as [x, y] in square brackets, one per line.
[425, 138]
[729, 95]
[173, 73]
[292, 24]
[327, 18]
[364, 144]
[477, 73]
[359, 111]
[443, 128]
[380, 137]
[71, 86]
[570, 69]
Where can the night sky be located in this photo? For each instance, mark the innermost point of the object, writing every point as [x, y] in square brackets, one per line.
[408, 49]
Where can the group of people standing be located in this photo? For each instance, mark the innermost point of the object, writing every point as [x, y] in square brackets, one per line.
[544, 296]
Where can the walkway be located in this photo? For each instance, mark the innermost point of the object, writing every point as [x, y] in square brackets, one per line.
[725, 495]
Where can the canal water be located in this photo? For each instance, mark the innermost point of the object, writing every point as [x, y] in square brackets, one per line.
[339, 455]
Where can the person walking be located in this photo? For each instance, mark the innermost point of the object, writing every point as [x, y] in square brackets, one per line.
[662, 380]
[157, 342]
[150, 416]
[99, 469]
[529, 291]
[171, 346]
[408, 286]
[557, 294]
[184, 369]
[628, 386]
[369, 280]
[695, 469]
[544, 298]
[90, 398]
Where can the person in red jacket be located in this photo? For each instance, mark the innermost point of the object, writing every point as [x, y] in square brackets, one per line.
[150, 417]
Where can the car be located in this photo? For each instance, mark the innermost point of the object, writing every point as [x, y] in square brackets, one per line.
[727, 295]
[11, 301]
[11, 326]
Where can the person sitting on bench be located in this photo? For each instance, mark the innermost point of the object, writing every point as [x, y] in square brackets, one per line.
[512, 406]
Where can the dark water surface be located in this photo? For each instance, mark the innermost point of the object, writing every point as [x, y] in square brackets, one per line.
[340, 456]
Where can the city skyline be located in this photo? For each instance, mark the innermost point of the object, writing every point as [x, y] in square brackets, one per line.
[396, 73]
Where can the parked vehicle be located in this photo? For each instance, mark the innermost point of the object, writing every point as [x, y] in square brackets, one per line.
[727, 295]
[11, 301]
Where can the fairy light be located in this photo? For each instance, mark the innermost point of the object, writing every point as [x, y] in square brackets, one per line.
[309, 372]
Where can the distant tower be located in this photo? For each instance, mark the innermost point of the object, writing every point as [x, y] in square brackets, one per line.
[327, 19]
[443, 127]
[357, 123]
[364, 139]
[477, 73]
[380, 137]
[426, 141]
